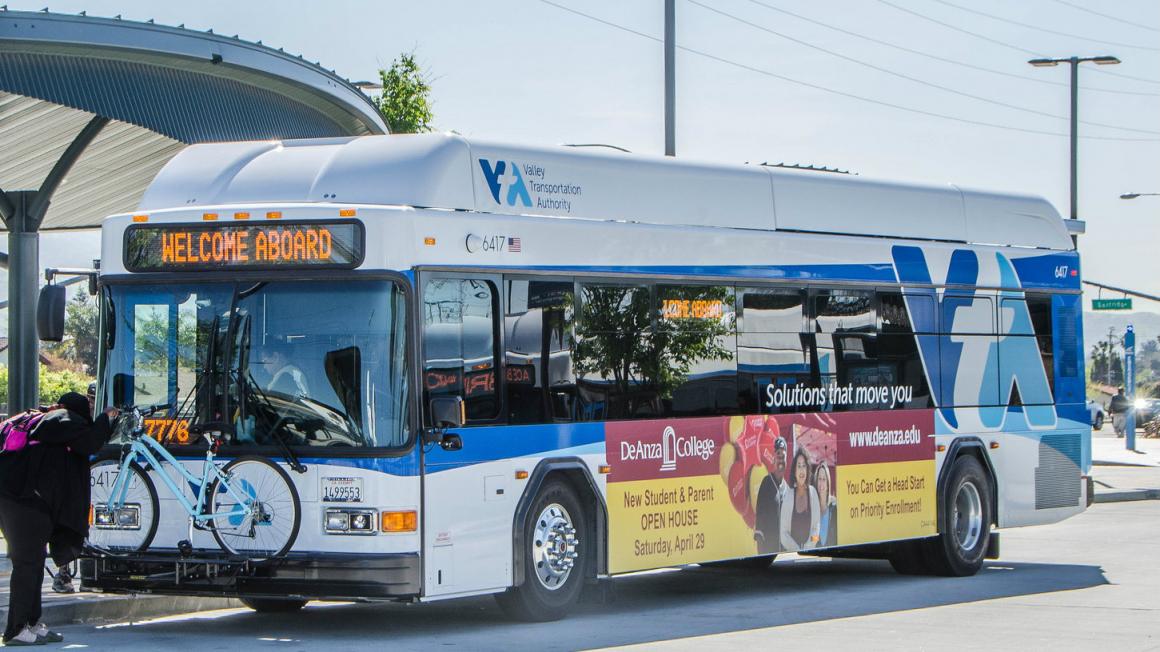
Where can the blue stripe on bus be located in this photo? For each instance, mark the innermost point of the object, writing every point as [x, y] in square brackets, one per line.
[877, 272]
[1047, 271]
[491, 443]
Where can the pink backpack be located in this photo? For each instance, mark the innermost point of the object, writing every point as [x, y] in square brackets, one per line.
[16, 431]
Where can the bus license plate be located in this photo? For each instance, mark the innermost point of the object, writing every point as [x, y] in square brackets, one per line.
[342, 490]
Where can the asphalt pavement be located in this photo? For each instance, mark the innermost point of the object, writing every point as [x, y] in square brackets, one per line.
[1086, 583]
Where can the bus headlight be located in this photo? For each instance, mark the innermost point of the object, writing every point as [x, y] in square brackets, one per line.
[340, 520]
[127, 517]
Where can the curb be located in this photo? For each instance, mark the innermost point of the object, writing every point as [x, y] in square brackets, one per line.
[96, 608]
[1127, 496]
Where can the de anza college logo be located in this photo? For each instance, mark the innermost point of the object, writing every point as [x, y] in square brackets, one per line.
[669, 449]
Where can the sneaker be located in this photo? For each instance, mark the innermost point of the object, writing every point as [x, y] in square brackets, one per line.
[45, 634]
[63, 583]
[25, 637]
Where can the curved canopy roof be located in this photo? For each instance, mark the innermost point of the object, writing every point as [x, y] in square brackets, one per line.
[160, 88]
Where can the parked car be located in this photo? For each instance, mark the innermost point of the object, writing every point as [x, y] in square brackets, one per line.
[1098, 416]
[1146, 410]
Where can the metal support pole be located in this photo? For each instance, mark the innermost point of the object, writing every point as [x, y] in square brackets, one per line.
[23, 211]
[670, 78]
[1130, 387]
[23, 286]
[1074, 135]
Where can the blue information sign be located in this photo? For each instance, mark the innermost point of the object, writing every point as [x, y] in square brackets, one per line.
[1130, 385]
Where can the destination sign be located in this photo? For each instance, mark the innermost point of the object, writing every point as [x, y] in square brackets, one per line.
[244, 246]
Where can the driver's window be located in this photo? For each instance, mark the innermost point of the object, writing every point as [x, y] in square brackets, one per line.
[459, 352]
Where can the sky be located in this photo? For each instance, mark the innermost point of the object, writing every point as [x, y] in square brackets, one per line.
[925, 90]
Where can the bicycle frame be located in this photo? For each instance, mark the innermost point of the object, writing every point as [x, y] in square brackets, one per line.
[154, 454]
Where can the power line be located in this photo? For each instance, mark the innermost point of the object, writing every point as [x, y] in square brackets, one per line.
[1044, 29]
[909, 78]
[935, 57]
[833, 91]
[1108, 16]
[996, 41]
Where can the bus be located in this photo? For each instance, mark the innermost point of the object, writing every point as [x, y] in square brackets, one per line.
[522, 371]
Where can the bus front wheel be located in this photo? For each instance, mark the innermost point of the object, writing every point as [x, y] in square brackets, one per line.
[557, 548]
[959, 549]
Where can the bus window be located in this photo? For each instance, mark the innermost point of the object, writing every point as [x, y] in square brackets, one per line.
[695, 339]
[770, 351]
[1026, 326]
[898, 355]
[613, 356]
[841, 333]
[459, 344]
[541, 387]
[967, 325]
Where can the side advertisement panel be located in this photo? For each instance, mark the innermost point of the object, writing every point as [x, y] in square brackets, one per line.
[690, 490]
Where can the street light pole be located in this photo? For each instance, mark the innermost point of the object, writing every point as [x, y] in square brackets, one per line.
[670, 78]
[1074, 61]
[1074, 136]
[1133, 195]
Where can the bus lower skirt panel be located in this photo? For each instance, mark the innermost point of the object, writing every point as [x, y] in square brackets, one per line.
[346, 577]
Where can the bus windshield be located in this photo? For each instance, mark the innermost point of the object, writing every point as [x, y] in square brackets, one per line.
[270, 363]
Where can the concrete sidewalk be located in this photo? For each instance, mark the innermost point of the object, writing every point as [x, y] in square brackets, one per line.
[63, 609]
[1121, 474]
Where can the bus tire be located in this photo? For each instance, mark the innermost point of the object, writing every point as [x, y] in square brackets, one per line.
[273, 605]
[958, 550]
[760, 562]
[557, 535]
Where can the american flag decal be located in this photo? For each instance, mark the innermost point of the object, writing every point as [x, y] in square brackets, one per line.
[514, 245]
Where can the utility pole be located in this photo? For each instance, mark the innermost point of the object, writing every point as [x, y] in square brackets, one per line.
[670, 78]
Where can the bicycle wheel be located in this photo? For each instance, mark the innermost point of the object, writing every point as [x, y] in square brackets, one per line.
[271, 512]
[130, 527]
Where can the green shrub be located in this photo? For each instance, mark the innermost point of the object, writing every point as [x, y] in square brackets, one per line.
[52, 384]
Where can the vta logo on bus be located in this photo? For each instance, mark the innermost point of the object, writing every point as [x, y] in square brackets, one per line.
[497, 177]
[996, 369]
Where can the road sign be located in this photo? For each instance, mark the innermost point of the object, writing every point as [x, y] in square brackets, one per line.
[1112, 304]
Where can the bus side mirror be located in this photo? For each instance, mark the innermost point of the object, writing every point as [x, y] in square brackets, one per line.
[447, 412]
[50, 313]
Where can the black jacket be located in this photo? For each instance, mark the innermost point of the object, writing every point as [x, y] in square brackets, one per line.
[1119, 404]
[54, 472]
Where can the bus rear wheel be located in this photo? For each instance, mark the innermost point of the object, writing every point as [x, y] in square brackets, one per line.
[958, 551]
[556, 553]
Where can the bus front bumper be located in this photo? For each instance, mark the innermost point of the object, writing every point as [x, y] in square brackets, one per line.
[312, 577]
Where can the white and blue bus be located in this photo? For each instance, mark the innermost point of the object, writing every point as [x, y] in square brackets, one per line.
[521, 371]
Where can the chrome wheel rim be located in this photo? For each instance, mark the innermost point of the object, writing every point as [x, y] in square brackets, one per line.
[967, 516]
[554, 547]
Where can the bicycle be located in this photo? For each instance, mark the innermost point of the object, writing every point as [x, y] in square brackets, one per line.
[249, 504]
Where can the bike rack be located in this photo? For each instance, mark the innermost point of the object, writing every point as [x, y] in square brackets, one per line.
[166, 571]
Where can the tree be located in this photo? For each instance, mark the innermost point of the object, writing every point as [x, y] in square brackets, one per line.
[405, 103]
[80, 332]
[643, 357]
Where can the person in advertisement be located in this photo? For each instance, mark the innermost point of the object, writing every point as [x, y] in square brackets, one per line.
[770, 496]
[799, 514]
[827, 523]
